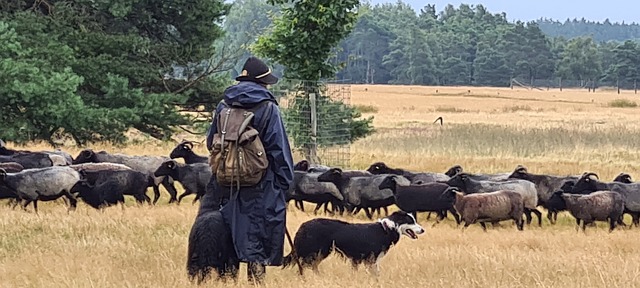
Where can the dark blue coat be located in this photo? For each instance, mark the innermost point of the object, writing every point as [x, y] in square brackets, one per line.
[257, 215]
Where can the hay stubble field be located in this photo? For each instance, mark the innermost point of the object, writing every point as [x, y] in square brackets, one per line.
[485, 130]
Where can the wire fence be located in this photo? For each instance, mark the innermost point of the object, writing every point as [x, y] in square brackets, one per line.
[317, 120]
[590, 85]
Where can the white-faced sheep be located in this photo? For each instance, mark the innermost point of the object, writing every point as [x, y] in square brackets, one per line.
[487, 207]
[597, 206]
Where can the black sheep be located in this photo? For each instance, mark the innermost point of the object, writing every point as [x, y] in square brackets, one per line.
[556, 203]
[104, 194]
[421, 198]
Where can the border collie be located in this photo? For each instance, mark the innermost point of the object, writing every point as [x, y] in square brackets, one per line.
[362, 243]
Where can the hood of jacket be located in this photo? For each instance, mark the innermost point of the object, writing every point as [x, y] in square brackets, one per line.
[247, 94]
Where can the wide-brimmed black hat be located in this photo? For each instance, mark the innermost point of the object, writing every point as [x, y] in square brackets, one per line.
[256, 71]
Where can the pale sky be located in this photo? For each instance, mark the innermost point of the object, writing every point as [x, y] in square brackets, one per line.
[526, 10]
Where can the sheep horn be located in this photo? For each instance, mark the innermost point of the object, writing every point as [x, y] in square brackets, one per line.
[591, 174]
[521, 169]
[438, 119]
[2, 144]
[3, 172]
[189, 144]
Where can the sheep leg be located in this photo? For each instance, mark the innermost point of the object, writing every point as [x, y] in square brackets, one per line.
[369, 214]
[429, 216]
[612, 224]
[577, 224]
[484, 226]
[73, 202]
[299, 205]
[555, 217]
[527, 214]
[538, 214]
[170, 188]
[186, 192]
[315, 211]
[550, 216]
[455, 215]
[25, 203]
[35, 206]
[156, 194]
[386, 212]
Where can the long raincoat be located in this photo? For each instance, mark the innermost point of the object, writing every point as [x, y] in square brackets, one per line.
[257, 215]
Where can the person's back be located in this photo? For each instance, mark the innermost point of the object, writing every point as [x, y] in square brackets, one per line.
[256, 214]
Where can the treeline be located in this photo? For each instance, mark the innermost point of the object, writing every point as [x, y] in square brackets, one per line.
[601, 32]
[392, 44]
[472, 46]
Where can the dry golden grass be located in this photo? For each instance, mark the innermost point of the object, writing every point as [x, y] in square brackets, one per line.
[486, 129]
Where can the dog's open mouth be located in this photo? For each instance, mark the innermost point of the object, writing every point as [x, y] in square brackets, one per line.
[411, 234]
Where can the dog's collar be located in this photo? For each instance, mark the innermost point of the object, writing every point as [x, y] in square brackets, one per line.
[387, 224]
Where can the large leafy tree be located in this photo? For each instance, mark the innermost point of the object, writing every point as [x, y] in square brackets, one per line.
[303, 39]
[93, 69]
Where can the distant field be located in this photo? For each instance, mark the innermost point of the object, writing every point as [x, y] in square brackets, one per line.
[485, 130]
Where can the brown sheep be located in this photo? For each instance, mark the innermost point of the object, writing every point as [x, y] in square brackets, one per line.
[488, 207]
[597, 206]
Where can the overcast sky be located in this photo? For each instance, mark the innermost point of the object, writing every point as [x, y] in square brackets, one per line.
[525, 10]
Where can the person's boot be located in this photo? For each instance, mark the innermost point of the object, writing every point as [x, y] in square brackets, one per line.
[256, 272]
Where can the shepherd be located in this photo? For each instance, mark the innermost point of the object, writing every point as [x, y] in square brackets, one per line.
[252, 204]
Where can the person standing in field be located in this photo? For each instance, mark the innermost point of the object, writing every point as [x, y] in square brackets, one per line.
[255, 214]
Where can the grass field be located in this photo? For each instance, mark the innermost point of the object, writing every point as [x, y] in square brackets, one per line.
[485, 130]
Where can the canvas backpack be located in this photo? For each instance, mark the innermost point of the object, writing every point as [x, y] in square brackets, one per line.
[238, 157]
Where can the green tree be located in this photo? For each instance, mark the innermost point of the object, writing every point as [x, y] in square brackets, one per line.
[302, 39]
[626, 66]
[103, 67]
[579, 60]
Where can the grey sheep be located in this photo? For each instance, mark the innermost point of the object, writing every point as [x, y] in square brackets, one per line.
[382, 168]
[184, 150]
[144, 164]
[546, 185]
[94, 167]
[457, 169]
[487, 207]
[360, 189]
[42, 184]
[420, 198]
[193, 177]
[306, 187]
[304, 165]
[28, 160]
[524, 187]
[597, 206]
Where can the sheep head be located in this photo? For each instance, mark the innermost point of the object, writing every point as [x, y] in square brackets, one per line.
[302, 166]
[182, 150]
[378, 168]
[85, 156]
[456, 169]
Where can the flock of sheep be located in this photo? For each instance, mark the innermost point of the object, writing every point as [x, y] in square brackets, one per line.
[102, 179]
